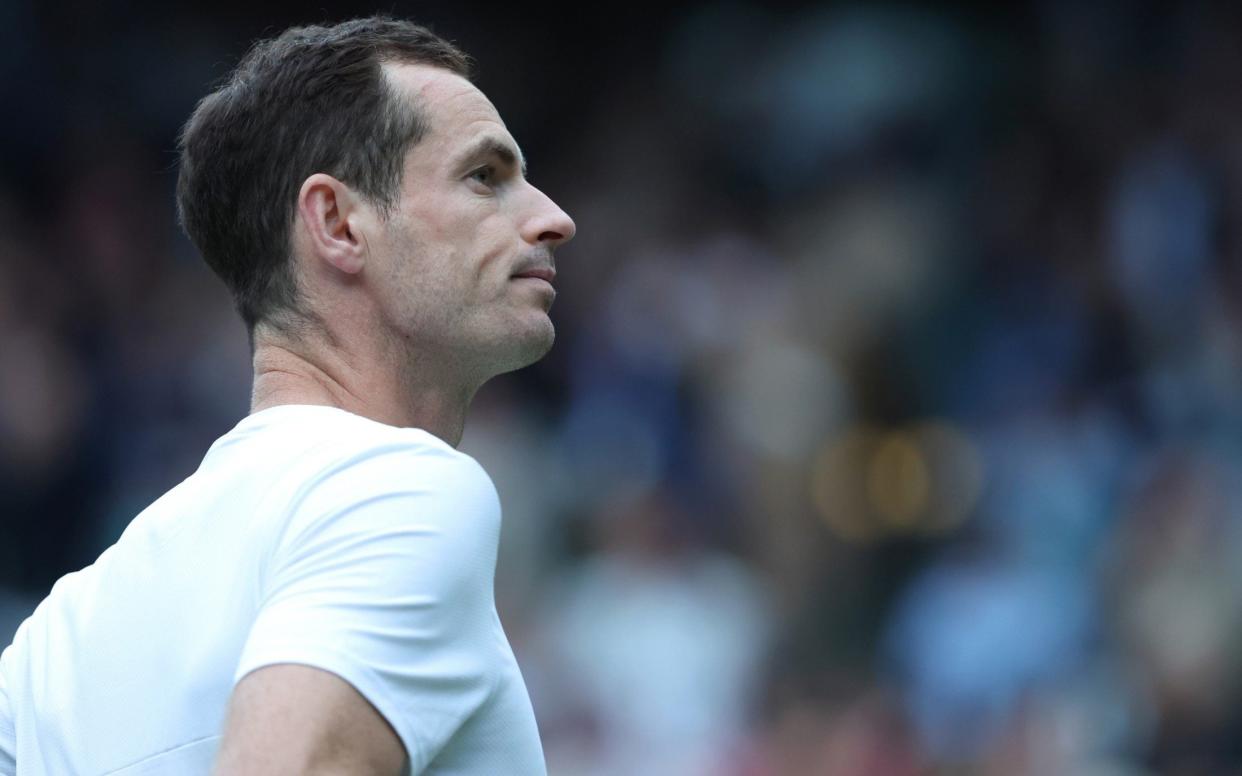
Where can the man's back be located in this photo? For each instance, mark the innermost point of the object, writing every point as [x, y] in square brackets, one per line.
[308, 535]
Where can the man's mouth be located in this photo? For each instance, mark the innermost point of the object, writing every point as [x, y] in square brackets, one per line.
[542, 273]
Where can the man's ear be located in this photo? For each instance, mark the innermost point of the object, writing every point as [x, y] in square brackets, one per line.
[330, 215]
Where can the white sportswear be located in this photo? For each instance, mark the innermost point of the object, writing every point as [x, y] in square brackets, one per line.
[307, 535]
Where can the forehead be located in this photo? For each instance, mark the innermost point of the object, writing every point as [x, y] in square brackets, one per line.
[455, 108]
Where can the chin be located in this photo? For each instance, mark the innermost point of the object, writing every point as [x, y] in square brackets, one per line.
[533, 341]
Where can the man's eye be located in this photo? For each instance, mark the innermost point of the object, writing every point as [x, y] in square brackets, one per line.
[483, 174]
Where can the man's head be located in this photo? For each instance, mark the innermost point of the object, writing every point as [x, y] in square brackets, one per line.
[355, 172]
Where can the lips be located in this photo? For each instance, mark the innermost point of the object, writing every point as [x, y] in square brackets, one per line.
[542, 273]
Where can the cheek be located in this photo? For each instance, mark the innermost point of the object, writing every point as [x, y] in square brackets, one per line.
[462, 249]
[494, 248]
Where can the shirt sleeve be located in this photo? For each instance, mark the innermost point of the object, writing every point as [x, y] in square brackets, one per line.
[383, 576]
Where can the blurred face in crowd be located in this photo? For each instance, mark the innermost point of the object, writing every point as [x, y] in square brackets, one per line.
[464, 260]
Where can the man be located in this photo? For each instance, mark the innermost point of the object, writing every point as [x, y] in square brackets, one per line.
[317, 597]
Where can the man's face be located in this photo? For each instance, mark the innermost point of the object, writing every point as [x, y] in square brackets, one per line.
[459, 256]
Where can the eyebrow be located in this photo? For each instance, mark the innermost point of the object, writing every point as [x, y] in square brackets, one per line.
[493, 146]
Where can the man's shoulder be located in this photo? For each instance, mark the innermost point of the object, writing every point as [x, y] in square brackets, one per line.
[401, 495]
[405, 469]
[323, 445]
[406, 459]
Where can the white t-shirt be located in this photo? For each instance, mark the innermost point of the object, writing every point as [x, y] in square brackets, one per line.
[308, 535]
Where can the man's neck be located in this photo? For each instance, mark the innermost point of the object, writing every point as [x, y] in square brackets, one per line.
[293, 374]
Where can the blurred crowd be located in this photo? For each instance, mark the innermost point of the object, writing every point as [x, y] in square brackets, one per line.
[894, 424]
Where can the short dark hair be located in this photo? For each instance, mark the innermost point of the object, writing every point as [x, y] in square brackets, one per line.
[313, 99]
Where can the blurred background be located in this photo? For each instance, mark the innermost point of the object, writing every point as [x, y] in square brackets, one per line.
[894, 424]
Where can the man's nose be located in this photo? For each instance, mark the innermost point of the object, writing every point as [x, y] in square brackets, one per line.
[549, 224]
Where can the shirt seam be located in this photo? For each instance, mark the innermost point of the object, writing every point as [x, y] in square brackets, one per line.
[161, 753]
